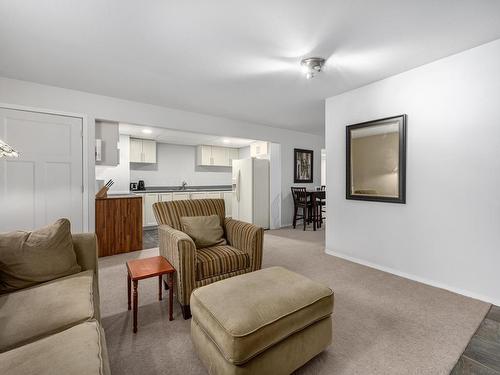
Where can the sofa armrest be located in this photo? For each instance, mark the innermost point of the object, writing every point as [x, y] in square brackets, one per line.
[85, 247]
[248, 238]
[179, 249]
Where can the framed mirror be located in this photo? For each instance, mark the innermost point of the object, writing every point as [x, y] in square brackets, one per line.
[376, 160]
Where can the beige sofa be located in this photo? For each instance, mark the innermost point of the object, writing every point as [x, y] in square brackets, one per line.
[54, 328]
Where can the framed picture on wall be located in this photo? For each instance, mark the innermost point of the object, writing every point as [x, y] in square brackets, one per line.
[303, 166]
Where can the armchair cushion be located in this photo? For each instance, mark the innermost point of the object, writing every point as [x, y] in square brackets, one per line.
[218, 260]
[170, 213]
[204, 230]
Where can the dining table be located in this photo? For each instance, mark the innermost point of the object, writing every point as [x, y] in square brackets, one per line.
[313, 195]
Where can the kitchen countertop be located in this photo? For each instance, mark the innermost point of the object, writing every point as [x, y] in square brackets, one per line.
[118, 196]
[178, 189]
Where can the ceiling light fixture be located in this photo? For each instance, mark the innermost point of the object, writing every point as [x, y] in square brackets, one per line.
[225, 140]
[6, 150]
[147, 131]
[312, 65]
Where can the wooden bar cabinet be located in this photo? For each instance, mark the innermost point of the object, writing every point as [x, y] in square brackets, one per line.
[118, 224]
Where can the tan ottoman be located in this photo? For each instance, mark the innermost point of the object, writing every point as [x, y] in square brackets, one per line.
[270, 321]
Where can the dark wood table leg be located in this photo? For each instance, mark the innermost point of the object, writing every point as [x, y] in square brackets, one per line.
[135, 306]
[159, 288]
[170, 296]
[129, 290]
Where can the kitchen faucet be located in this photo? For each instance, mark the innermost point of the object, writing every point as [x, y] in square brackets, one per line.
[184, 184]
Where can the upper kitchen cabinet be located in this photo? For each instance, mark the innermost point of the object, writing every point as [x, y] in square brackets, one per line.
[216, 156]
[142, 151]
[107, 137]
[259, 149]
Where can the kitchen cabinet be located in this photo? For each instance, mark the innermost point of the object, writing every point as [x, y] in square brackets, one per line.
[216, 156]
[149, 216]
[259, 149]
[228, 201]
[213, 195]
[180, 196]
[107, 138]
[198, 195]
[219, 156]
[148, 199]
[165, 197]
[142, 151]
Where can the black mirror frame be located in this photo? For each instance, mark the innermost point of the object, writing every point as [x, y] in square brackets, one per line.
[402, 161]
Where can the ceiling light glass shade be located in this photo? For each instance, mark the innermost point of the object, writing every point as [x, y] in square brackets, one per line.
[312, 65]
[6, 150]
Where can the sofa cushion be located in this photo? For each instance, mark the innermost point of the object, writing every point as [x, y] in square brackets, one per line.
[204, 230]
[31, 313]
[244, 315]
[218, 260]
[78, 350]
[30, 258]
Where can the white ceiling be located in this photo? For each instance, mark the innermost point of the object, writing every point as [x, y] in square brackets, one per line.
[233, 58]
[181, 138]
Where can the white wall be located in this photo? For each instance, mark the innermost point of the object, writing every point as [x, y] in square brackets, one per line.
[245, 152]
[448, 233]
[120, 174]
[176, 163]
[93, 107]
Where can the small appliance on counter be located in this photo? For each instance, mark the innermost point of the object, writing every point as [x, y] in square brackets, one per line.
[141, 185]
[133, 186]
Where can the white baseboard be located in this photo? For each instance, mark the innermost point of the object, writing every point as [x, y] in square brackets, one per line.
[422, 280]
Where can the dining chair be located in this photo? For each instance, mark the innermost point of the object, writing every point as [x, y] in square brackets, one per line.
[321, 203]
[300, 201]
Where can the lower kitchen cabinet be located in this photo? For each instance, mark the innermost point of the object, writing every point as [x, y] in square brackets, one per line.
[199, 195]
[148, 199]
[149, 216]
[228, 202]
[180, 196]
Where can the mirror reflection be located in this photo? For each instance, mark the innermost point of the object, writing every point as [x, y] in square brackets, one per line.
[375, 160]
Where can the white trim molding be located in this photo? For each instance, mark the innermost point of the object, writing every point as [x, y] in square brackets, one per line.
[409, 276]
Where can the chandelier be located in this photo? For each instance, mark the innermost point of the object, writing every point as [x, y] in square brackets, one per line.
[6, 150]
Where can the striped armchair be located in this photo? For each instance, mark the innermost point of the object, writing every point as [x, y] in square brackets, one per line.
[199, 267]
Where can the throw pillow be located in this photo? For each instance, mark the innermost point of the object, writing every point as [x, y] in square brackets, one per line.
[204, 230]
[30, 258]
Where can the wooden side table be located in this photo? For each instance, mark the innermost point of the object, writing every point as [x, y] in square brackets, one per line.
[139, 269]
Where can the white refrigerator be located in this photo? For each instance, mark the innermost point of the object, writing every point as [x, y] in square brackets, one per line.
[251, 191]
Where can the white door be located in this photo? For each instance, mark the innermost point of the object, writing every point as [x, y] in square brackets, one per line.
[46, 182]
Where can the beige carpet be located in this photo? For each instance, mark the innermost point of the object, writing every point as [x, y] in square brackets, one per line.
[383, 324]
